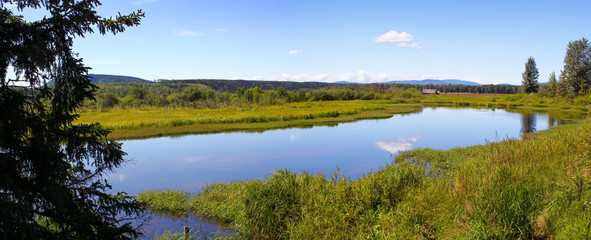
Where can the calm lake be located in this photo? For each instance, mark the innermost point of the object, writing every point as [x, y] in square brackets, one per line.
[190, 162]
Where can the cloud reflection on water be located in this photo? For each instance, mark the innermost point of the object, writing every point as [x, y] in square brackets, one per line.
[402, 144]
[294, 137]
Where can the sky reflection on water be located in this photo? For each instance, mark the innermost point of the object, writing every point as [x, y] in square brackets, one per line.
[191, 162]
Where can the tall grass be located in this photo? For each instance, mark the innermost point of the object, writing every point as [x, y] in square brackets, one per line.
[160, 121]
[150, 122]
[167, 202]
[535, 188]
[522, 101]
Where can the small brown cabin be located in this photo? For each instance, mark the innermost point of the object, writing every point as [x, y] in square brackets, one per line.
[430, 91]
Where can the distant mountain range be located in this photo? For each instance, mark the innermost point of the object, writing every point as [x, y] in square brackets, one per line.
[105, 78]
[427, 82]
[437, 82]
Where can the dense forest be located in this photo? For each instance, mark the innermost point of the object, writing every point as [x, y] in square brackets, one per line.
[223, 93]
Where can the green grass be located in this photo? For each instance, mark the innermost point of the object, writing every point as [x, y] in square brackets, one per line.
[194, 235]
[521, 101]
[167, 202]
[535, 188]
[153, 122]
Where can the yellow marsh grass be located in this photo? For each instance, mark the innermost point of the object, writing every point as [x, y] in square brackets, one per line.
[150, 122]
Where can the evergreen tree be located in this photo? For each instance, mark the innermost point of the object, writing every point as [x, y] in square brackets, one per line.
[530, 77]
[562, 87]
[553, 84]
[577, 66]
[51, 184]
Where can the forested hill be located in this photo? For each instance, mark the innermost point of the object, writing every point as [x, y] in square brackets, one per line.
[233, 85]
[105, 78]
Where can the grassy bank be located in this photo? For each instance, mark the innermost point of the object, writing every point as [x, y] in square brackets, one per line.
[519, 101]
[535, 188]
[153, 122]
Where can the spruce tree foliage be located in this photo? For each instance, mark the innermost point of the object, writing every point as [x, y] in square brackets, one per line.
[530, 77]
[553, 84]
[51, 184]
[577, 66]
[562, 88]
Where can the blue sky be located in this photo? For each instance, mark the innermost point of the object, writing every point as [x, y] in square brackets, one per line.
[362, 41]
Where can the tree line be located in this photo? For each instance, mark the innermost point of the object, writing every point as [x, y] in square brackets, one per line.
[216, 93]
[574, 78]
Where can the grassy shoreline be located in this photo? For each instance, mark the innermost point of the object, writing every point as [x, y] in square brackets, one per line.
[538, 187]
[157, 122]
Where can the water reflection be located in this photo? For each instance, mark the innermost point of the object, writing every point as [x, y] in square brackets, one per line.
[394, 147]
[191, 162]
[555, 121]
[528, 123]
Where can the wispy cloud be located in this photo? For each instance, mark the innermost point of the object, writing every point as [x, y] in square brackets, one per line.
[188, 33]
[295, 52]
[402, 39]
[294, 137]
[142, 2]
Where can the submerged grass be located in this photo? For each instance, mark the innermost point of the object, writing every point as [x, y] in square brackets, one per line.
[538, 187]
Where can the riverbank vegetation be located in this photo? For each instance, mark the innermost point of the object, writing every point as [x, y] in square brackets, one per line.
[143, 122]
[151, 122]
[537, 187]
[227, 93]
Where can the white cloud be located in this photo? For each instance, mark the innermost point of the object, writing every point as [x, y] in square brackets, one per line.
[10, 5]
[403, 144]
[188, 33]
[410, 45]
[402, 39]
[393, 147]
[294, 52]
[393, 37]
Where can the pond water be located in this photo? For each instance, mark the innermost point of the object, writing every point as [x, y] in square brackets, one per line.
[190, 162]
